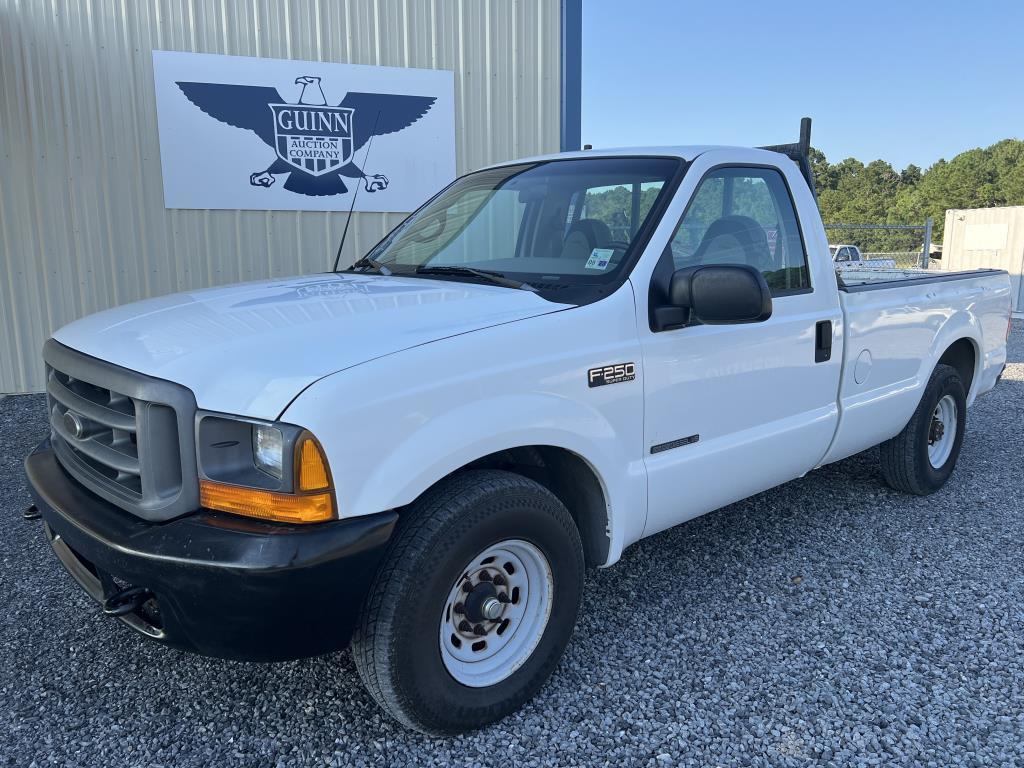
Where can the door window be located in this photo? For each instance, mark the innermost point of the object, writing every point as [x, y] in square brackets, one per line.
[744, 216]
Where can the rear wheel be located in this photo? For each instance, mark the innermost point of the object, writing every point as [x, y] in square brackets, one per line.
[473, 605]
[921, 458]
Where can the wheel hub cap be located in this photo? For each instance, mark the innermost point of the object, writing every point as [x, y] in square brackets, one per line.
[479, 603]
[496, 613]
[942, 431]
[492, 609]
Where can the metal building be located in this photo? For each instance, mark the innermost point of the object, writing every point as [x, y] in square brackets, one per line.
[987, 238]
[82, 219]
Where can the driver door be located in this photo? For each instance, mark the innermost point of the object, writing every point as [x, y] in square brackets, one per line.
[731, 410]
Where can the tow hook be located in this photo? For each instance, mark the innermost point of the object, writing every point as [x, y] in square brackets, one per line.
[32, 513]
[126, 601]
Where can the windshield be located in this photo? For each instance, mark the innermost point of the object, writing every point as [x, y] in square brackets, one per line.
[552, 225]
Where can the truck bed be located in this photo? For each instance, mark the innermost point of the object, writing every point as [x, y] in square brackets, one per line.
[896, 324]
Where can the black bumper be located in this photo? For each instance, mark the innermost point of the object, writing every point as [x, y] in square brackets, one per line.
[221, 585]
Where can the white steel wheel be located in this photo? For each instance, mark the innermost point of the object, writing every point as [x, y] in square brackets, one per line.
[942, 431]
[496, 613]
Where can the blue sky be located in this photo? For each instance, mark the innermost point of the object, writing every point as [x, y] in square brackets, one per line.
[905, 81]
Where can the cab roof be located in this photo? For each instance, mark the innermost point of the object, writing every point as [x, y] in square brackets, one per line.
[687, 152]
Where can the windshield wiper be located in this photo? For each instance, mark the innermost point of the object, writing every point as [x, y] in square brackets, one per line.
[495, 277]
[372, 263]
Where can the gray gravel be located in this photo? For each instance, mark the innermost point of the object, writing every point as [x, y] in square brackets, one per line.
[829, 621]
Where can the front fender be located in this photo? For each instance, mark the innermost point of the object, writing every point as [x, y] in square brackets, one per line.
[395, 426]
[443, 445]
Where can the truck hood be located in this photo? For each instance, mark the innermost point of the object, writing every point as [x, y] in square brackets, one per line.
[249, 349]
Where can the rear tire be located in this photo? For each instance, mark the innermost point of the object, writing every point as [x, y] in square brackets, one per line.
[921, 458]
[484, 531]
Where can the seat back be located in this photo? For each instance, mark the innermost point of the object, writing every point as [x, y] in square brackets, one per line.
[583, 237]
[734, 240]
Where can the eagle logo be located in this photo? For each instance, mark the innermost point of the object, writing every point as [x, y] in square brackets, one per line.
[314, 141]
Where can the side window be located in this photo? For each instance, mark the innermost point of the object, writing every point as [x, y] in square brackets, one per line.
[854, 253]
[744, 216]
[843, 255]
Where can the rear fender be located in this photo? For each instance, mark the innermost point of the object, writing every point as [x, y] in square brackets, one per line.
[960, 325]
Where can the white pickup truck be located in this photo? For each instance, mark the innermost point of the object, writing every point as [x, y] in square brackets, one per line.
[849, 257]
[419, 455]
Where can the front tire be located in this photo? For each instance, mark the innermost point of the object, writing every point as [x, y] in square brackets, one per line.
[473, 605]
[921, 458]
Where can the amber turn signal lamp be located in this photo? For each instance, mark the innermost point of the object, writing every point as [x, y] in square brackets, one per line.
[267, 505]
[311, 468]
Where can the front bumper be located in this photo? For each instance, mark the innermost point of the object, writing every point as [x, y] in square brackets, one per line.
[221, 585]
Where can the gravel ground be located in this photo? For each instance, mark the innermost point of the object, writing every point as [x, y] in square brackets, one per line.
[828, 621]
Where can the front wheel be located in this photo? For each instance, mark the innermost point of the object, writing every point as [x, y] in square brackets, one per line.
[921, 458]
[473, 605]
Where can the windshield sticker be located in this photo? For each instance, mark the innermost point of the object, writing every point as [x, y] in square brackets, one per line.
[600, 258]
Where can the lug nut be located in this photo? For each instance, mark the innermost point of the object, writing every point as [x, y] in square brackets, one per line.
[459, 608]
[32, 513]
[499, 580]
[465, 626]
[479, 630]
[503, 598]
[467, 587]
[485, 576]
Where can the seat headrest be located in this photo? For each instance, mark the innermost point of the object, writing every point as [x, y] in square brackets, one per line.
[748, 234]
[595, 230]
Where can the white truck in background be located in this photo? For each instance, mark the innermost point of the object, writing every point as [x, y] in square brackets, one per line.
[849, 257]
[550, 360]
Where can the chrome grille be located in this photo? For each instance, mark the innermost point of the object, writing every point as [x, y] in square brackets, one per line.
[119, 433]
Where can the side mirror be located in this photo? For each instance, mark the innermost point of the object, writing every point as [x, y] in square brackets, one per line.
[716, 294]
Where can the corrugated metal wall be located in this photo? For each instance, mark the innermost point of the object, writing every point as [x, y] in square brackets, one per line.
[82, 219]
[977, 238]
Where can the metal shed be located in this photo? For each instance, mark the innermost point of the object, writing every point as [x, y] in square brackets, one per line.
[82, 219]
[987, 237]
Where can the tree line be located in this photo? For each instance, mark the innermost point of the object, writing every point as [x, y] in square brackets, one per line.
[851, 192]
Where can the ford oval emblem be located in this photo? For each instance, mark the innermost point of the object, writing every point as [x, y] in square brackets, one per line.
[73, 424]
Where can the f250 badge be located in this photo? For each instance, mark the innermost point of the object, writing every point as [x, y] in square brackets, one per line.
[611, 374]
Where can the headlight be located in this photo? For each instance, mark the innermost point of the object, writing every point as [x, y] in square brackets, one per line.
[268, 471]
[268, 449]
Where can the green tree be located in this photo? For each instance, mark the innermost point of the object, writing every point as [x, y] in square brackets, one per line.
[851, 192]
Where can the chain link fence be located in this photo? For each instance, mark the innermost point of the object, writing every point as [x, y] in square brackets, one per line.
[905, 245]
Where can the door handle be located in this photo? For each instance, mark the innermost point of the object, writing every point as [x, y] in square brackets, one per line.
[823, 341]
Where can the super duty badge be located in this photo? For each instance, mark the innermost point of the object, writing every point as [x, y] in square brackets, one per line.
[611, 374]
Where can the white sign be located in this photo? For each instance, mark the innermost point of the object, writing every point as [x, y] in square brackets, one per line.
[276, 134]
